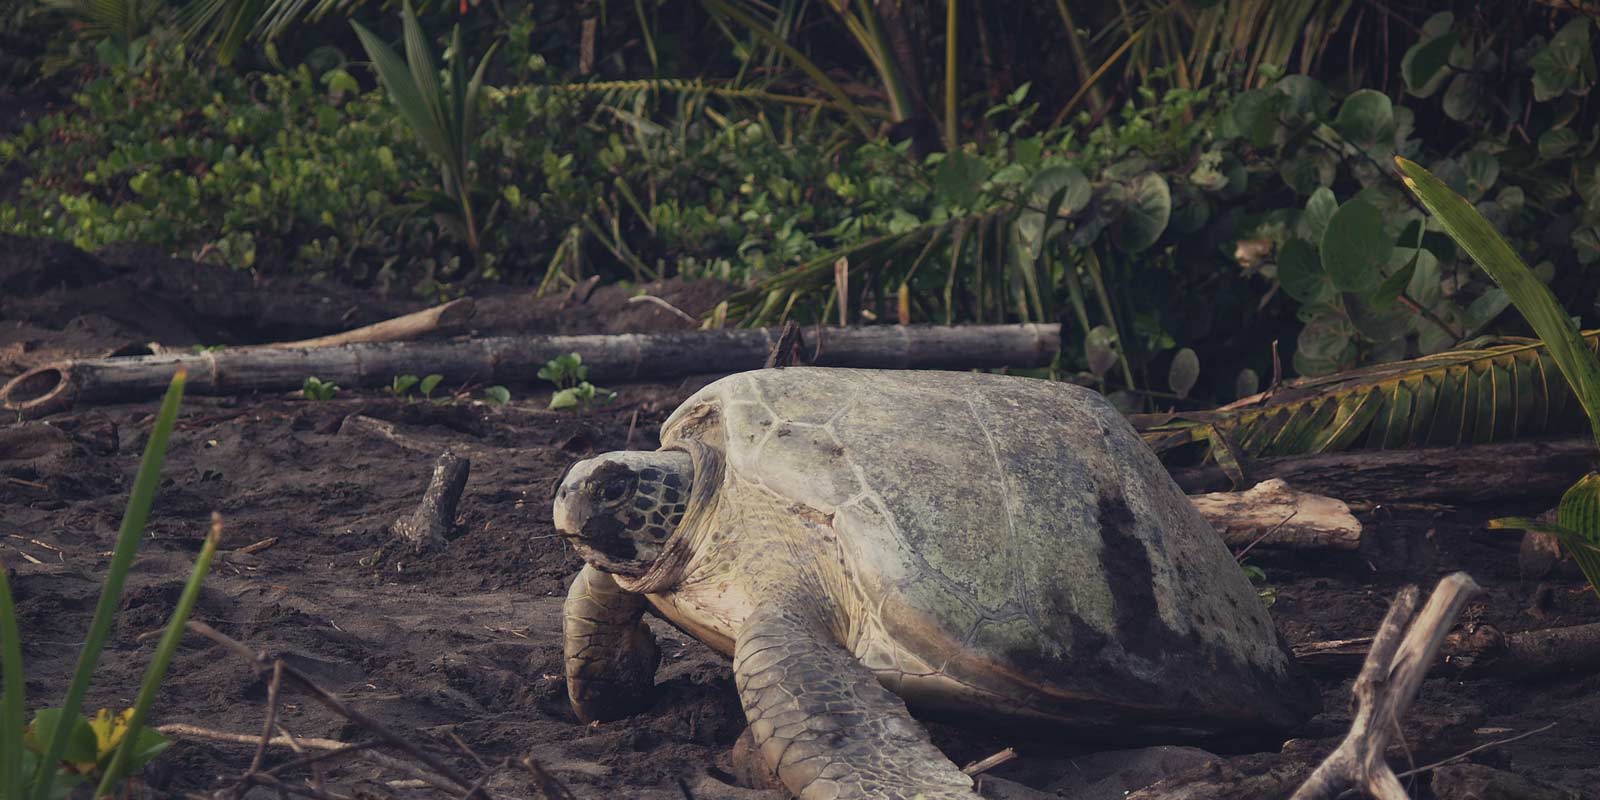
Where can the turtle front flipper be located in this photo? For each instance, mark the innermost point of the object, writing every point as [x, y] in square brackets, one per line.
[826, 724]
[611, 657]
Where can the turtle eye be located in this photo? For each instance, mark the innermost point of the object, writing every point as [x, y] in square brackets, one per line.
[616, 488]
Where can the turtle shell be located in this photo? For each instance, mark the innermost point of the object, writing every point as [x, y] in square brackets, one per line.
[1016, 541]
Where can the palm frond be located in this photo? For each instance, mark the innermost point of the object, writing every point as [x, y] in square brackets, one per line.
[1491, 393]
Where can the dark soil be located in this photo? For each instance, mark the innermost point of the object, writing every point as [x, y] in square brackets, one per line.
[465, 643]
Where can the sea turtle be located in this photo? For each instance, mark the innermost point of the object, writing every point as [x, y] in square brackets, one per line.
[861, 540]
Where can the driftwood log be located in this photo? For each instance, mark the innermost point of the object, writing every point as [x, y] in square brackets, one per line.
[1474, 473]
[623, 357]
[447, 318]
[1271, 514]
[1402, 651]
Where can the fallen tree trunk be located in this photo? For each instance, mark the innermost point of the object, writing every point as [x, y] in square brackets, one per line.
[1271, 514]
[625, 357]
[1474, 473]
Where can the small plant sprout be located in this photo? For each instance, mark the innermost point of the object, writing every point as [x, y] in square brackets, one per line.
[428, 384]
[573, 390]
[317, 390]
[401, 385]
[497, 395]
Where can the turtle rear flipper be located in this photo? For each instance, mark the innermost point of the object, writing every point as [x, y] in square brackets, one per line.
[825, 723]
[611, 657]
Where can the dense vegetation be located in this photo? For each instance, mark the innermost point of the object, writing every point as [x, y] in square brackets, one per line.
[1179, 183]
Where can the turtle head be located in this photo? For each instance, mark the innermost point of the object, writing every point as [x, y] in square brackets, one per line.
[618, 509]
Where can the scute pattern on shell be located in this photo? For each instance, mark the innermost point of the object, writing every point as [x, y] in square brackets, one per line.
[1013, 535]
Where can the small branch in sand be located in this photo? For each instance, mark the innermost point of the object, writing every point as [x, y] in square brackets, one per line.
[428, 527]
[1402, 650]
[653, 300]
[984, 765]
[337, 706]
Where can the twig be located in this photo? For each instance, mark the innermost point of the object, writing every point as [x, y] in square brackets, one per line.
[546, 784]
[652, 299]
[258, 546]
[1268, 532]
[427, 526]
[334, 704]
[272, 715]
[317, 779]
[984, 765]
[1396, 664]
[786, 351]
[1480, 748]
[196, 732]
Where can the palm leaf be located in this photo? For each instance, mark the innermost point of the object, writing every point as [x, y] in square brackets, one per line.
[1491, 393]
[1572, 354]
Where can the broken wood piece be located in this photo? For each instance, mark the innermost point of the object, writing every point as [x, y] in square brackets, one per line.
[615, 358]
[1401, 653]
[1481, 651]
[427, 528]
[1484, 650]
[1271, 514]
[451, 317]
[1470, 474]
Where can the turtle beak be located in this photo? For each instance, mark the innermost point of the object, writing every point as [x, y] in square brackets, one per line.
[569, 512]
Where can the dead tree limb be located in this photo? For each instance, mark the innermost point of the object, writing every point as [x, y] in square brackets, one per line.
[451, 317]
[511, 359]
[1471, 474]
[428, 527]
[1272, 514]
[1402, 650]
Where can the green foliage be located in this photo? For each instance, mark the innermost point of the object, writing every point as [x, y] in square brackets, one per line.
[573, 389]
[317, 390]
[497, 395]
[1578, 516]
[443, 116]
[401, 385]
[61, 749]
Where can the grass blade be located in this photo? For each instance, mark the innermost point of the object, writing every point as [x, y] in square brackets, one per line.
[12, 712]
[163, 657]
[133, 522]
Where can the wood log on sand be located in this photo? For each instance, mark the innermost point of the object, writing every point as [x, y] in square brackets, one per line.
[1469, 474]
[1271, 514]
[624, 357]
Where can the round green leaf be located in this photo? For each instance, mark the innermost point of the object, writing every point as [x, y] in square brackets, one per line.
[1367, 117]
[1557, 142]
[1298, 271]
[1482, 170]
[1183, 373]
[1145, 217]
[1462, 98]
[1248, 383]
[1586, 242]
[1355, 247]
[1423, 65]
[1099, 347]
